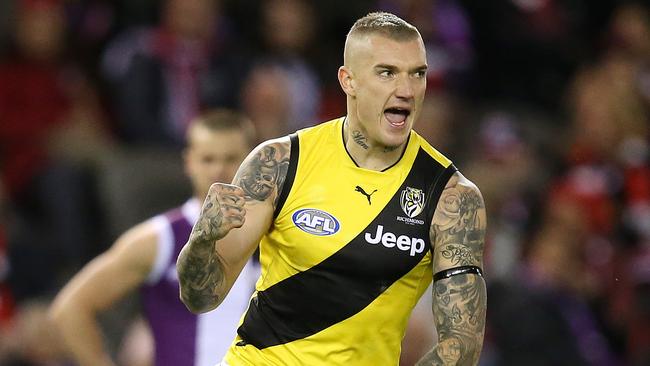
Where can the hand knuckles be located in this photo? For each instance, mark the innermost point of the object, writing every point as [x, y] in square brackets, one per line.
[216, 186]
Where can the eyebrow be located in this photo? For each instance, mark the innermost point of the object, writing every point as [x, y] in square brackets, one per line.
[421, 68]
[386, 67]
[393, 67]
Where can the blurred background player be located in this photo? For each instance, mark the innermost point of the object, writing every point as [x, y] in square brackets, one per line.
[144, 257]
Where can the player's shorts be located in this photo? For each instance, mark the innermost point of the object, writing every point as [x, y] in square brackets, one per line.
[222, 363]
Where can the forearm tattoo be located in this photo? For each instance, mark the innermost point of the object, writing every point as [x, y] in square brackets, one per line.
[459, 302]
[264, 173]
[200, 270]
[201, 276]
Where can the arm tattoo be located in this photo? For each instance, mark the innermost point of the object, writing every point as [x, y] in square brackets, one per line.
[360, 139]
[202, 277]
[459, 305]
[459, 256]
[459, 302]
[200, 270]
[459, 225]
[264, 173]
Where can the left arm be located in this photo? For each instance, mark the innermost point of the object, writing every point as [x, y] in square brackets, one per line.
[459, 295]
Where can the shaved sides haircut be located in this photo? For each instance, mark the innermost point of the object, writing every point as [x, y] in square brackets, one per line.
[382, 24]
[385, 24]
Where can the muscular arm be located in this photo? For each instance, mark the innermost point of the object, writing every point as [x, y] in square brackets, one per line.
[459, 302]
[100, 284]
[215, 254]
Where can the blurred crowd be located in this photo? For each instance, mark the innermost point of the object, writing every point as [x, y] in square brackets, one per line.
[545, 104]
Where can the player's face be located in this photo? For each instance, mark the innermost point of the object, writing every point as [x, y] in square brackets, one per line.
[390, 81]
[214, 156]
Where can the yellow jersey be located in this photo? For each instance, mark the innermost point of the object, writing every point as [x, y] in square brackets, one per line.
[347, 257]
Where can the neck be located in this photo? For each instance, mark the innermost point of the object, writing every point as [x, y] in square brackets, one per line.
[367, 153]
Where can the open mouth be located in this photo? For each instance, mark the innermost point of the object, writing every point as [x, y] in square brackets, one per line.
[396, 116]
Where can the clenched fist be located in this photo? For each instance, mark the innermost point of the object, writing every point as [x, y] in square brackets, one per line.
[223, 210]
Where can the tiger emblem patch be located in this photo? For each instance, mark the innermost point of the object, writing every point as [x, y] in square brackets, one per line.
[412, 201]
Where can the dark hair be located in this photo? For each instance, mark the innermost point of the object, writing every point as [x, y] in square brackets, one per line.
[386, 24]
[224, 119]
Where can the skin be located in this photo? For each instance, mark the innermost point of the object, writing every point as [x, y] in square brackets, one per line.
[459, 302]
[210, 156]
[378, 73]
[215, 254]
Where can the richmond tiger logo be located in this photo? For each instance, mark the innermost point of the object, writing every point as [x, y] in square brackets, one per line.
[412, 201]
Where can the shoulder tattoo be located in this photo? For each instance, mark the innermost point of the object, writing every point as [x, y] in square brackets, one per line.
[263, 173]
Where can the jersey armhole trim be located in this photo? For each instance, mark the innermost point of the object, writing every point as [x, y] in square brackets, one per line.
[164, 248]
[291, 174]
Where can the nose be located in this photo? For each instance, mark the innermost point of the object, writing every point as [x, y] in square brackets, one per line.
[404, 88]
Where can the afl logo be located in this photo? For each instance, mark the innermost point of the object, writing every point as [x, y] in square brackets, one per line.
[412, 201]
[315, 222]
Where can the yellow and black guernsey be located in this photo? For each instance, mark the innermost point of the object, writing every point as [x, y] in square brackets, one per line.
[346, 259]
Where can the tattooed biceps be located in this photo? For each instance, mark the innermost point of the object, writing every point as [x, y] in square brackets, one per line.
[262, 174]
[458, 226]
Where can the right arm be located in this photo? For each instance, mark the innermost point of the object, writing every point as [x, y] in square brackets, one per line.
[100, 284]
[215, 254]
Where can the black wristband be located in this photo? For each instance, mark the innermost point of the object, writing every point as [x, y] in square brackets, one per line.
[457, 271]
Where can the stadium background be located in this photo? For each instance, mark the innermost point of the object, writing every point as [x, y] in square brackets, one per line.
[543, 103]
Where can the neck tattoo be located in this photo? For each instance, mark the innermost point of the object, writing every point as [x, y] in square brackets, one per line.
[360, 139]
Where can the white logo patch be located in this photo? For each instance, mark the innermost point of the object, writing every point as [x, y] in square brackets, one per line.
[315, 222]
[412, 201]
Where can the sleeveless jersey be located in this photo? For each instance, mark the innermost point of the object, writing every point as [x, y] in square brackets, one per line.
[180, 337]
[347, 257]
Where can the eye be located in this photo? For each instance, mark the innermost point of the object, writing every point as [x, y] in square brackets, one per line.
[420, 74]
[385, 73]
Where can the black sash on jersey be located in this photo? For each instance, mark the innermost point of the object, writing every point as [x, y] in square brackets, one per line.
[350, 279]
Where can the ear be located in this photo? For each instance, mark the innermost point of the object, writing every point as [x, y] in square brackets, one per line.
[346, 80]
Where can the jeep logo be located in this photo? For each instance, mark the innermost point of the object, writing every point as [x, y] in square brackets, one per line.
[315, 222]
[402, 242]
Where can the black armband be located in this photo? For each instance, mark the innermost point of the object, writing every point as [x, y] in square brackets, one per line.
[457, 271]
